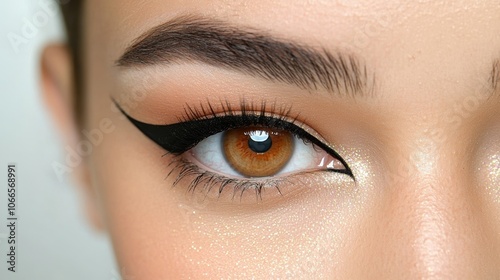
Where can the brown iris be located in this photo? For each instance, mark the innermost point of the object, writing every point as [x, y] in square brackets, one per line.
[257, 151]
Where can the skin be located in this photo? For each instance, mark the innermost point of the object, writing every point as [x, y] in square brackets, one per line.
[423, 147]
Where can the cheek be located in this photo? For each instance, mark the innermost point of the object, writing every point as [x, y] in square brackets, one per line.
[139, 217]
[488, 174]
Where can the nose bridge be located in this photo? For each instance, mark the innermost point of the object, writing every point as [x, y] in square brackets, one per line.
[433, 227]
[436, 223]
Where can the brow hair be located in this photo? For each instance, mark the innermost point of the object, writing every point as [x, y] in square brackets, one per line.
[217, 43]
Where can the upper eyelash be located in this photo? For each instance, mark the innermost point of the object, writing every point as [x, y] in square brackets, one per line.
[199, 123]
[283, 115]
[207, 111]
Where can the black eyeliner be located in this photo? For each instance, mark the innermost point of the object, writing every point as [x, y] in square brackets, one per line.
[180, 137]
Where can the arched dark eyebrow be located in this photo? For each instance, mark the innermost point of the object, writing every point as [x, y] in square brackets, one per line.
[250, 51]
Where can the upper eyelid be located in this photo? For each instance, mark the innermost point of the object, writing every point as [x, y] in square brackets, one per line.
[272, 110]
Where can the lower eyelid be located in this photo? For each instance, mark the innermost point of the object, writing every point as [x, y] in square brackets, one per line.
[249, 191]
[207, 180]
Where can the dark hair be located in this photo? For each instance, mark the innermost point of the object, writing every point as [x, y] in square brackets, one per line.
[72, 11]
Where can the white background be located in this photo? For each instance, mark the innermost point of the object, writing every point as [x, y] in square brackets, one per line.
[54, 241]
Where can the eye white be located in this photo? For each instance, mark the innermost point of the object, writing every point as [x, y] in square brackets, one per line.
[210, 154]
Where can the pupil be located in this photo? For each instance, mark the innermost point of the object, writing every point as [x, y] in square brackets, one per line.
[260, 141]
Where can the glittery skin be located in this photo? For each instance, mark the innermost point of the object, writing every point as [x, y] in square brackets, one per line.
[302, 237]
[422, 144]
[295, 249]
[493, 167]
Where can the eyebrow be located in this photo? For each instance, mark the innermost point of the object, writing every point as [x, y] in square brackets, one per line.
[250, 51]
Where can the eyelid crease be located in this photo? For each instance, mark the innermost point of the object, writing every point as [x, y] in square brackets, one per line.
[198, 124]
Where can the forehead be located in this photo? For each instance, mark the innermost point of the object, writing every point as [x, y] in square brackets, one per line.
[419, 48]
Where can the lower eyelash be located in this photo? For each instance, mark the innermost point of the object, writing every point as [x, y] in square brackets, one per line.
[209, 180]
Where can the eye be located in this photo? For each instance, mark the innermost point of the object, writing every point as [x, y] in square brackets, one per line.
[254, 152]
[244, 149]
